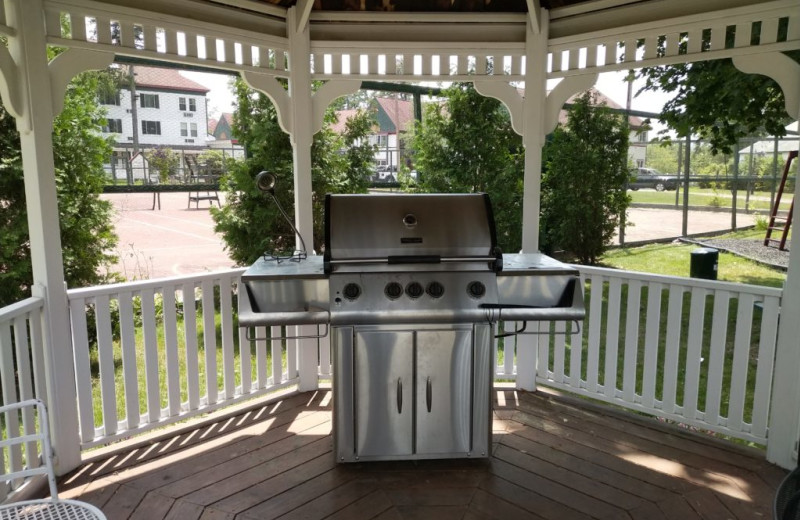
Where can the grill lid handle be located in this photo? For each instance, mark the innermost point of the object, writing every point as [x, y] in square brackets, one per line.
[414, 259]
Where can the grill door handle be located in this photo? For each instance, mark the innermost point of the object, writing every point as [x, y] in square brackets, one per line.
[399, 395]
[428, 394]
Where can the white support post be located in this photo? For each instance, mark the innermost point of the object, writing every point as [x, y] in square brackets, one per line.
[533, 141]
[36, 128]
[784, 419]
[302, 136]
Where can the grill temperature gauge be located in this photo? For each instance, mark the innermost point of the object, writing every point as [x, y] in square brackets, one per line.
[351, 291]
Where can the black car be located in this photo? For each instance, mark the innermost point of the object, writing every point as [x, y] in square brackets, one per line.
[651, 178]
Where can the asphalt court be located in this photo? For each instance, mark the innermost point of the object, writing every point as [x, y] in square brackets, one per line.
[177, 240]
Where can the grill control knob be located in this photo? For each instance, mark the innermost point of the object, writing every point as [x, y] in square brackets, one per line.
[351, 291]
[414, 290]
[435, 290]
[476, 290]
[393, 290]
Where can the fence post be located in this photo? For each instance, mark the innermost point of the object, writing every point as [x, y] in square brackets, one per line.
[527, 349]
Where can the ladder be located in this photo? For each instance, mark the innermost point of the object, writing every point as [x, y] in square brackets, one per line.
[782, 224]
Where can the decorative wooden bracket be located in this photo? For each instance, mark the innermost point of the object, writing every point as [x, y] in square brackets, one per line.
[559, 95]
[780, 67]
[69, 64]
[326, 94]
[10, 88]
[270, 86]
[507, 95]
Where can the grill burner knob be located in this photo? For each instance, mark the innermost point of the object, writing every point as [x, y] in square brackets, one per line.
[476, 290]
[435, 290]
[414, 290]
[393, 290]
[351, 291]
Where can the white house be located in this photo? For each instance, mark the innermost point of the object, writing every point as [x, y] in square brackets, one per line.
[170, 111]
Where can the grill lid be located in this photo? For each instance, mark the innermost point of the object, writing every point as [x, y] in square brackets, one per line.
[410, 229]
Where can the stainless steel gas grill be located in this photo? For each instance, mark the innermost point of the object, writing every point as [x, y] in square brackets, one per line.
[411, 287]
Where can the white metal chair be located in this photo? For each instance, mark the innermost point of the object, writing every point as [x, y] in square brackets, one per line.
[26, 452]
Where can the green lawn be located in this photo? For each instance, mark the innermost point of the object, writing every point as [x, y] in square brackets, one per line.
[673, 260]
[710, 198]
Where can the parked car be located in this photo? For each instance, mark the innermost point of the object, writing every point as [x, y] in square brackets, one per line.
[651, 178]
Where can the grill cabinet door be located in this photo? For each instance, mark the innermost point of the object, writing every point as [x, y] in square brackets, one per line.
[384, 364]
[444, 391]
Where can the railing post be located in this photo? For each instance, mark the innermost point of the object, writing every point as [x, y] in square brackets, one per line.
[527, 347]
[35, 125]
[784, 420]
[307, 364]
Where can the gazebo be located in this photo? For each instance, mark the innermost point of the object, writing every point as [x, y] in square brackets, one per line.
[496, 44]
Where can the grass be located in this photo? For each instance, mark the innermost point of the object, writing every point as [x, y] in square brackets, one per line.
[707, 197]
[673, 259]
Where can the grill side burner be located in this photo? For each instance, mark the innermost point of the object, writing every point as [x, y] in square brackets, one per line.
[412, 287]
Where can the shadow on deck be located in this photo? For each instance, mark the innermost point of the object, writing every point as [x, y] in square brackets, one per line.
[554, 458]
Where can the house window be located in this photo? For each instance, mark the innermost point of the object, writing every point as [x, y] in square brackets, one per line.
[151, 127]
[381, 140]
[109, 98]
[641, 137]
[148, 100]
[193, 129]
[182, 104]
[184, 129]
[113, 126]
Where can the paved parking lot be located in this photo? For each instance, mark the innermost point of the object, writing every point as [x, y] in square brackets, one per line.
[176, 239]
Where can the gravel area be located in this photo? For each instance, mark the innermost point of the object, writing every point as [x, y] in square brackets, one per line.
[752, 249]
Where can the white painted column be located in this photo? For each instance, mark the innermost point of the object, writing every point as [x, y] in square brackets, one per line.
[302, 137]
[784, 419]
[534, 114]
[36, 128]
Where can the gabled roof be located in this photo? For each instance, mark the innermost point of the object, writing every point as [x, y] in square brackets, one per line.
[633, 121]
[165, 79]
[399, 112]
[341, 119]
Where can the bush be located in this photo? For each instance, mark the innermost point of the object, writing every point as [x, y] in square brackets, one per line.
[583, 186]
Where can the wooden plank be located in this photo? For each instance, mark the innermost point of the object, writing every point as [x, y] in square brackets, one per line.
[769, 31]
[575, 356]
[103, 28]
[593, 339]
[150, 40]
[766, 360]
[632, 319]
[651, 339]
[559, 349]
[209, 341]
[211, 48]
[124, 500]
[24, 372]
[694, 353]
[372, 64]
[743, 33]
[170, 321]
[376, 503]
[716, 361]
[708, 505]
[630, 50]
[276, 350]
[612, 337]
[105, 353]
[493, 505]
[718, 38]
[291, 351]
[543, 348]
[229, 48]
[191, 44]
[171, 41]
[321, 507]
[182, 510]
[673, 44]
[261, 357]
[695, 41]
[282, 491]
[672, 347]
[130, 372]
[37, 355]
[190, 346]
[153, 389]
[153, 506]
[83, 374]
[9, 396]
[245, 361]
[226, 318]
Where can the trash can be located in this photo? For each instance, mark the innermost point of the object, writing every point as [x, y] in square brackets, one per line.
[704, 262]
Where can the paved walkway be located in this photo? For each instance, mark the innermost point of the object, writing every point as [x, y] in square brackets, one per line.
[176, 240]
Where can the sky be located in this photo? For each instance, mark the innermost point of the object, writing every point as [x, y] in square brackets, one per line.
[612, 84]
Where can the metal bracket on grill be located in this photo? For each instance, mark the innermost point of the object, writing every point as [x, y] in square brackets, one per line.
[521, 331]
[310, 336]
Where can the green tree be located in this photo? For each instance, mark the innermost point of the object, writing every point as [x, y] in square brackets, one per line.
[583, 186]
[467, 145]
[663, 157]
[249, 222]
[87, 233]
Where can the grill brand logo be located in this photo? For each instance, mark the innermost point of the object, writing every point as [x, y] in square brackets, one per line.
[410, 240]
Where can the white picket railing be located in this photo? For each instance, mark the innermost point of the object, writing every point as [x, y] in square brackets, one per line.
[21, 351]
[174, 362]
[697, 352]
[650, 343]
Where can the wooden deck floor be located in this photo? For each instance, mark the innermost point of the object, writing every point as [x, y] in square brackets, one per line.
[554, 458]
